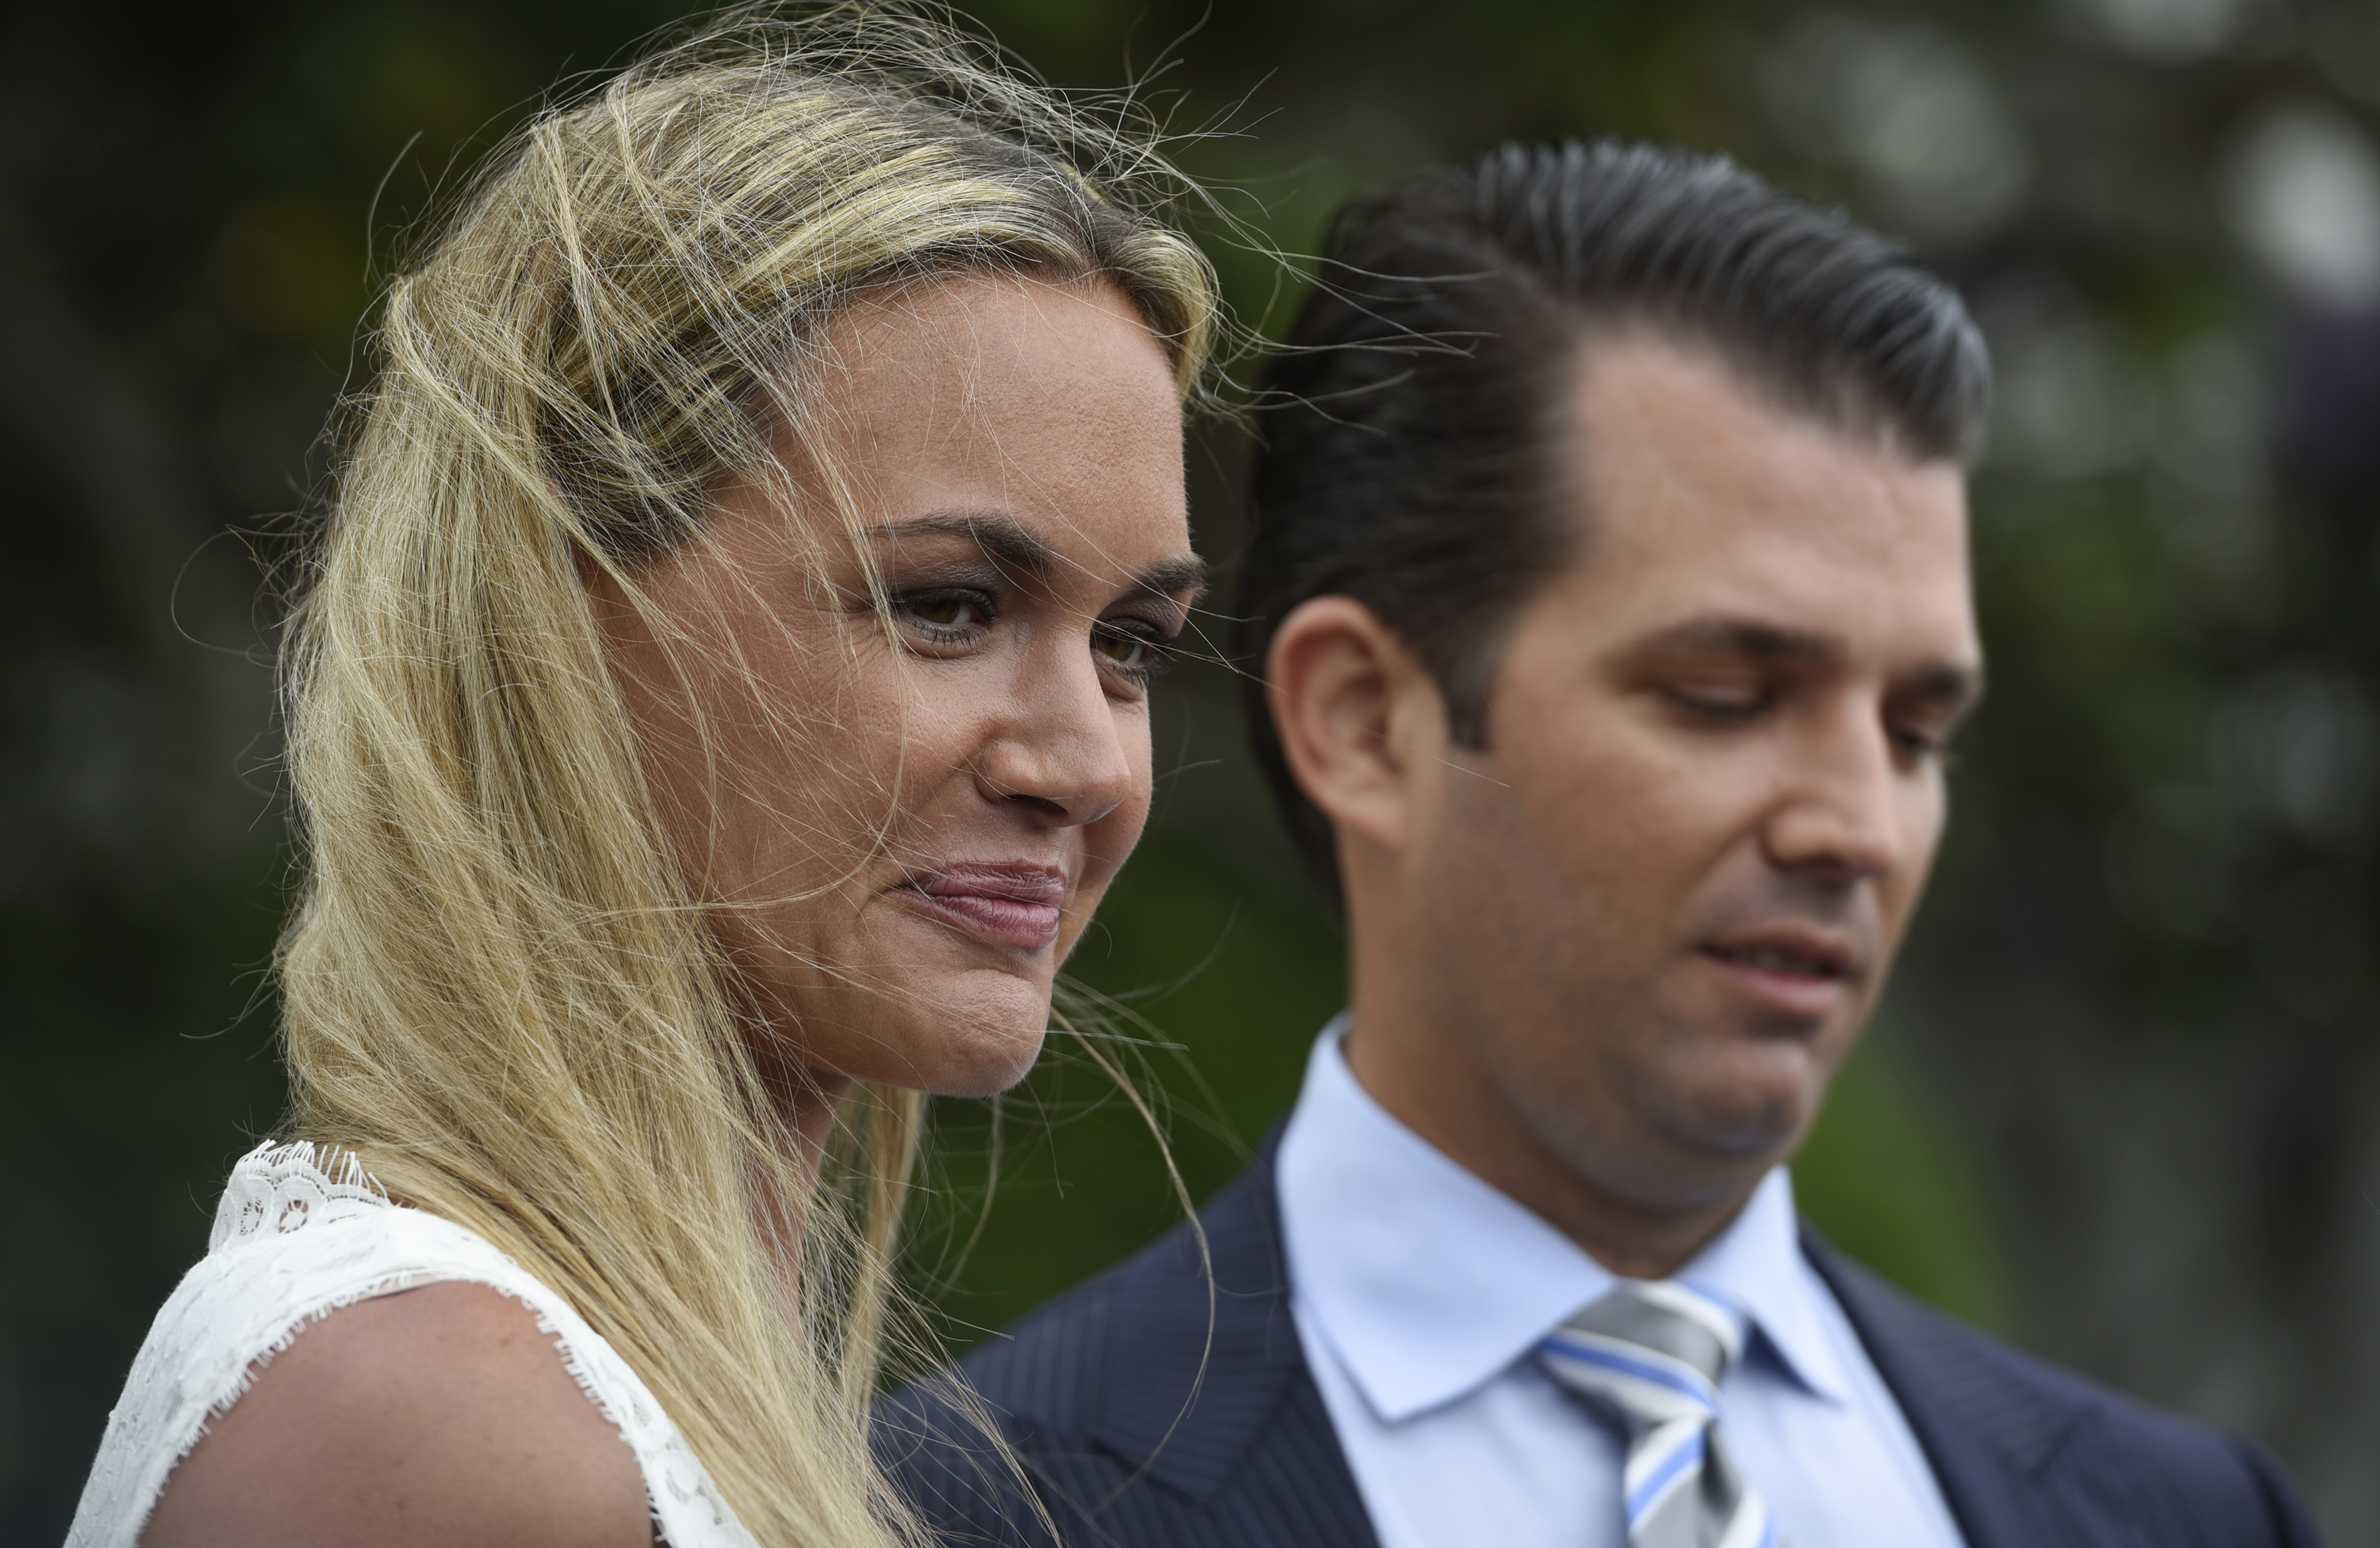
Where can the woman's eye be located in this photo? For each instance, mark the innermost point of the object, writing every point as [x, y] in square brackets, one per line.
[1137, 654]
[947, 614]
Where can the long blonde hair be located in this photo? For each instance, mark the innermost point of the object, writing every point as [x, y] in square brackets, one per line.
[497, 990]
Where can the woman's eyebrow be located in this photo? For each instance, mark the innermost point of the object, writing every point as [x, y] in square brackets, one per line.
[1002, 540]
[1005, 541]
[1183, 574]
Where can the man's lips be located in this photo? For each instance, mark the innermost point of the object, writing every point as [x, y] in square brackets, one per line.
[1011, 903]
[1796, 970]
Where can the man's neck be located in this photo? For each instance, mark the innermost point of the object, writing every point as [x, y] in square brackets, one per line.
[1445, 1103]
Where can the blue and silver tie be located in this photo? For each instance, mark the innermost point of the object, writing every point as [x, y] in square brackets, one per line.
[1648, 1356]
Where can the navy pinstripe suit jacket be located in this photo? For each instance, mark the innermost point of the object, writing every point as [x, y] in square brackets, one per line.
[1129, 1443]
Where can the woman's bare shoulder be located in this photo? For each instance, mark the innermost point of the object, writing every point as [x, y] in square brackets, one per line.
[438, 1415]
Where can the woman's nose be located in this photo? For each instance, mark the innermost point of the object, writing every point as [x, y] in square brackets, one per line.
[1062, 752]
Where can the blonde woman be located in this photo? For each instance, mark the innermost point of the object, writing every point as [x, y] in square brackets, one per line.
[716, 701]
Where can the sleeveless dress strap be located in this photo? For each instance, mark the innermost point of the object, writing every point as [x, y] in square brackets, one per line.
[297, 1237]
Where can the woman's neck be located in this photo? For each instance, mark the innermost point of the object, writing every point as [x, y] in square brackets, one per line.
[803, 1104]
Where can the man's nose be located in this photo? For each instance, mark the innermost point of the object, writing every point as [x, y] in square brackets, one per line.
[1842, 808]
[1060, 751]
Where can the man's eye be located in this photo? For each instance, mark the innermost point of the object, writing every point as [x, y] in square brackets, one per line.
[1719, 700]
[1920, 744]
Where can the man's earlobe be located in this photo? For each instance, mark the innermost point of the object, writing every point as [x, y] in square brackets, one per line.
[1339, 682]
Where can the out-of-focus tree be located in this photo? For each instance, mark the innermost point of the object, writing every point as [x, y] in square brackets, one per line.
[2121, 1101]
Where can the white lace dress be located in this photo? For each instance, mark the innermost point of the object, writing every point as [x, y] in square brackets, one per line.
[293, 1243]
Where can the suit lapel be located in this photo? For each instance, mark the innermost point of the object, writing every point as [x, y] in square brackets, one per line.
[1986, 1438]
[1204, 1380]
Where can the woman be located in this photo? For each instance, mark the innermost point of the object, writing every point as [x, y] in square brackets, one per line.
[716, 703]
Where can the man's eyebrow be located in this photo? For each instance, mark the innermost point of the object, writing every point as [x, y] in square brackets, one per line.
[1721, 635]
[1007, 543]
[1960, 688]
[1940, 681]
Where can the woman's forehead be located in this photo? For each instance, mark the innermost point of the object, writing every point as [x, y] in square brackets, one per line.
[1013, 406]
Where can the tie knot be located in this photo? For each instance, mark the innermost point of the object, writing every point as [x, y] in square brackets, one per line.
[1652, 1350]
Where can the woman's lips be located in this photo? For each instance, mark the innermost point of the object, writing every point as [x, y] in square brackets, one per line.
[1012, 904]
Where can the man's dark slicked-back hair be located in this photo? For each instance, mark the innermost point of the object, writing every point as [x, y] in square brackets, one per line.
[1410, 443]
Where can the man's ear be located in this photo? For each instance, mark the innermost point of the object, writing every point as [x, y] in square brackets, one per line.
[1359, 717]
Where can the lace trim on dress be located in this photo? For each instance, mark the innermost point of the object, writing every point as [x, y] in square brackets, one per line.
[284, 1187]
[300, 1233]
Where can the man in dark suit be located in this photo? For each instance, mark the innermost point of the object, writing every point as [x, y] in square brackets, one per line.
[1611, 589]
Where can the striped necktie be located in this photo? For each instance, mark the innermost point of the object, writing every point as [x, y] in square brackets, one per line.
[1650, 1356]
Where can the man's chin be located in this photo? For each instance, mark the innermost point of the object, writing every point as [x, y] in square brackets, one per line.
[1749, 1119]
[1692, 1152]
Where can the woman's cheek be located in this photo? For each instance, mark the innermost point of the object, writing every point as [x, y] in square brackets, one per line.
[1114, 837]
[911, 733]
[1143, 760]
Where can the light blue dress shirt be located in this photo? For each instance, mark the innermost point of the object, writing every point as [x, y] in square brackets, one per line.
[1419, 1293]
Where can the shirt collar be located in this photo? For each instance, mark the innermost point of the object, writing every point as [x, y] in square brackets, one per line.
[1757, 1265]
[1429, 1283]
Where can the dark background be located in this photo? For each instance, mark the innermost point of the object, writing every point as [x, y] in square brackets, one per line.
[2120, 1106]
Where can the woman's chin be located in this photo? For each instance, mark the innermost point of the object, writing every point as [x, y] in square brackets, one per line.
[984, 1065]
[984, 1039]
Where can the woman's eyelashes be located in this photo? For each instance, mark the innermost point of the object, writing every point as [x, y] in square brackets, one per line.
[944, 617]
[1135, 648]
[955, 618]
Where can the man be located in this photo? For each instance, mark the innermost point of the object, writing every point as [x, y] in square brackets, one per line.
[1611, 588]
